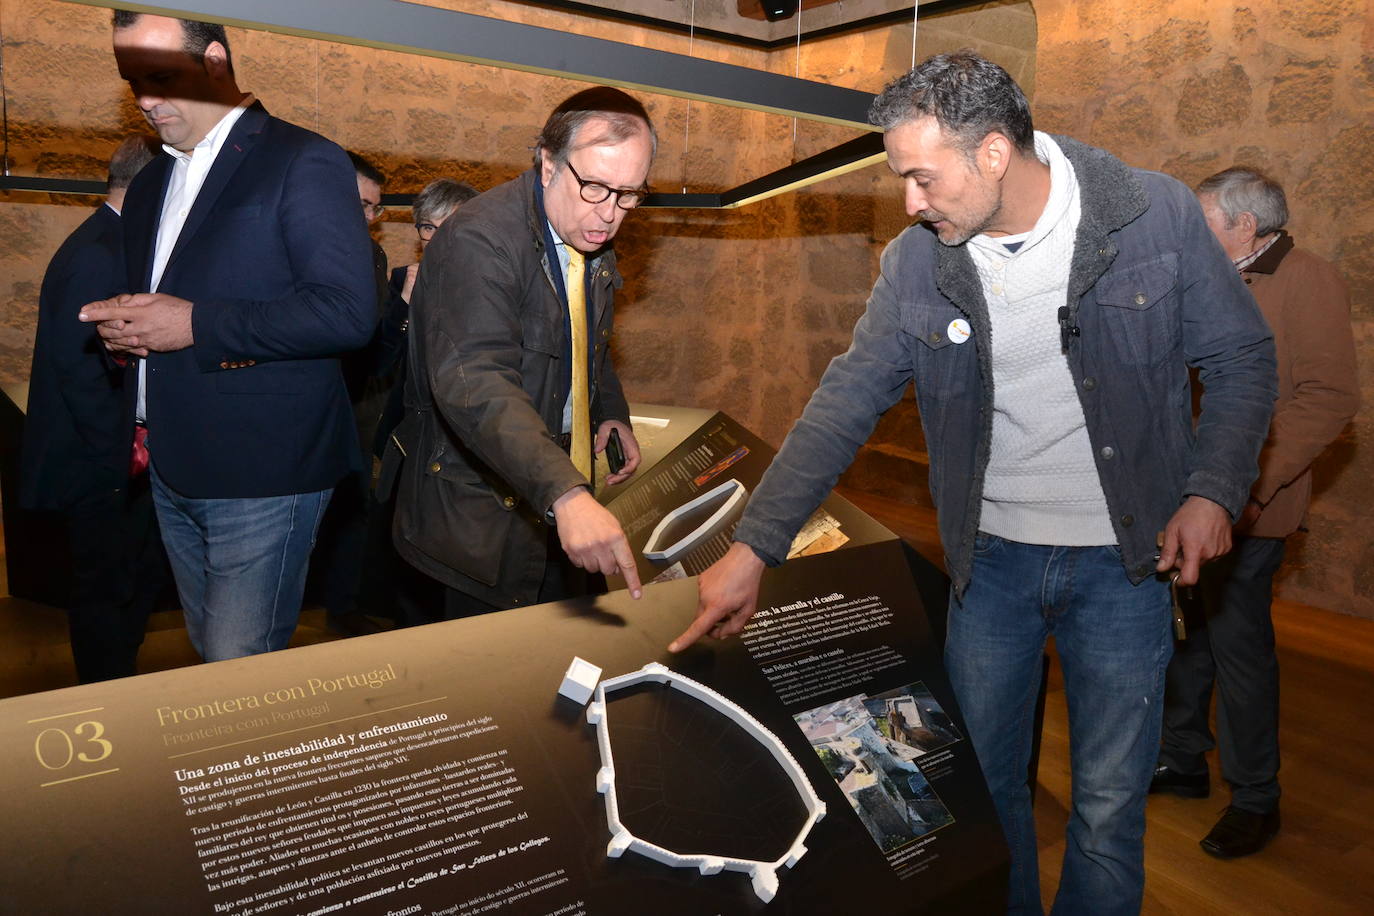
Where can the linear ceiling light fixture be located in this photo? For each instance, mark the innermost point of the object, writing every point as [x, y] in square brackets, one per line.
[414, 28]
[51, 185]
[869, 15]
[855, 154]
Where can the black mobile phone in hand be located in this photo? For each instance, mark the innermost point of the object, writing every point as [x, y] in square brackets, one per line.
[615, 452]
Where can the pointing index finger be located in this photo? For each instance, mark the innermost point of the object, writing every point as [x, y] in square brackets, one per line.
[625, 558]
[705, 621]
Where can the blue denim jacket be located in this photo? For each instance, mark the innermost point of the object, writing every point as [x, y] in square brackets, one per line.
[1151, 293]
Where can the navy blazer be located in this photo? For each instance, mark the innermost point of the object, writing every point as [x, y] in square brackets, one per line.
[276, 258]
[76, 440]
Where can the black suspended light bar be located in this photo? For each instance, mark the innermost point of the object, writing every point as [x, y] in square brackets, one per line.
[414, 28]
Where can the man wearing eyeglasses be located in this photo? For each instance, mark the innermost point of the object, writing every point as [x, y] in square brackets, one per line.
[510, 390]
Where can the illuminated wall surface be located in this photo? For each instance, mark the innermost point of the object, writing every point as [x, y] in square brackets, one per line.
[1190, 87]
[742, 310]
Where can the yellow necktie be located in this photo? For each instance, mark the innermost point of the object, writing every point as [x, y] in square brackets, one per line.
[581, 449]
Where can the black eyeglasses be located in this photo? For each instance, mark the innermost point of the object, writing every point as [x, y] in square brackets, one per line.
[426, 230]
[594, 192]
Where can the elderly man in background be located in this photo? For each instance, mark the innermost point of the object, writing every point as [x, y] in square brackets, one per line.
[1306, 304]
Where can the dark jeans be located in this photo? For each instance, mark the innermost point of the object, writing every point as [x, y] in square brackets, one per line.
[340, 554]
[1235, 649]
[119, 570]
[1113, 642]
[391, 587]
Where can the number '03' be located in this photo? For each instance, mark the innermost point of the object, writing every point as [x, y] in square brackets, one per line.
[53, 744]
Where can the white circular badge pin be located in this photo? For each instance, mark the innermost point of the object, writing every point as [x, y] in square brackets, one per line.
[958, 330]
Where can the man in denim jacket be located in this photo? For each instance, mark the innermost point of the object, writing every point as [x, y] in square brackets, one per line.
[1047, 312]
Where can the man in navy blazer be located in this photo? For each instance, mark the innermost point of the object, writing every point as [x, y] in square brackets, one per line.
[251, 272]
[75, 459]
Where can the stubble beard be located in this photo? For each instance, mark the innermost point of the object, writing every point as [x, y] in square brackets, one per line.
[990, 203]
[957, 234]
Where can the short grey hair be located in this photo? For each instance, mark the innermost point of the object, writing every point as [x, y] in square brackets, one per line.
[968, 96]
[440, 198]
[1241, 189]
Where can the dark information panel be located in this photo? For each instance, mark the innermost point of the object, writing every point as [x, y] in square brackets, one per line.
[718, 450]
[436, 770]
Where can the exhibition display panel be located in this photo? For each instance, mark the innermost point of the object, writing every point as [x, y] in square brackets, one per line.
[437, 770]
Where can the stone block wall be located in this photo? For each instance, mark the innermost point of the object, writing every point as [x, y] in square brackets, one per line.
[416, 118]
[712, 298]
[1191, 87]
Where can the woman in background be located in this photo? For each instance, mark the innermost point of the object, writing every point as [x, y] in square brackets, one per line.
[436, 203]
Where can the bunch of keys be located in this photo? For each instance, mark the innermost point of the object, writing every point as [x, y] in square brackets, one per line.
[1178, 596]
[1180, 626]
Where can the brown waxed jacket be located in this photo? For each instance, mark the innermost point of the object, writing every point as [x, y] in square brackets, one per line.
[1307, 306]
[484, 398]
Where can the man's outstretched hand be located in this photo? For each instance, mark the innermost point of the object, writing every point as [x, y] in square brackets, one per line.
[593, 539]
[728, 594]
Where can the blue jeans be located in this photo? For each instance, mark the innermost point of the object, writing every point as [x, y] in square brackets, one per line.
[240, 566]
[1114, 643]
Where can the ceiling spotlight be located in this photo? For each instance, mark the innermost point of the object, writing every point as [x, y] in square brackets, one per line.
[777, 10]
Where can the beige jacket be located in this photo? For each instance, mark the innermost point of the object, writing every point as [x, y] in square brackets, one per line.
[1307, 305]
